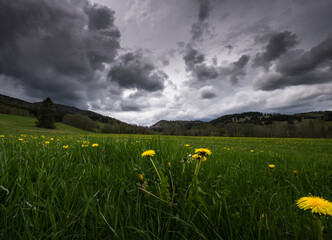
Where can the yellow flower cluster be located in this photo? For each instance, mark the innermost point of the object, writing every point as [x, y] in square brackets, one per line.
[317, 205]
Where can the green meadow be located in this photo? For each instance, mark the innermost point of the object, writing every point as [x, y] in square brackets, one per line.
[67, 184]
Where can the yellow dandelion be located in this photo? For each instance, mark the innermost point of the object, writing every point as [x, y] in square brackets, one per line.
[295, 172]
[20, 139]
[317, 205]
[203, 151]
[271, 166]
[95, 145]
[187, 145]
[148, 153]
[199, 157]
[65, 146]
[2, 136]
[252, 151]
[47, 142]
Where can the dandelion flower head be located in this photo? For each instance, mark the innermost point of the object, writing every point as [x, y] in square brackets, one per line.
[203, 151]
[271, 166]
[148, 153]
[199, 157]
[317, 205]
[95, 145]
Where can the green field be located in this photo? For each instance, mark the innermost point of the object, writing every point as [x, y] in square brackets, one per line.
[48, 191]
[18, 124]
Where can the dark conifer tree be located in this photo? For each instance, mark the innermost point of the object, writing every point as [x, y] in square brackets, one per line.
[46, 114]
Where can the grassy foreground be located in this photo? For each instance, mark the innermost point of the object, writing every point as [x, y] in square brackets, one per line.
[91, 189]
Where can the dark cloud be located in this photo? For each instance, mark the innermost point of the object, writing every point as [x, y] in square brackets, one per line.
[279, 44]
[104, 36]
[207, 94]
[193, 57]
[300, 68]
[276, 80]
[195, 64]
[201, 26]
[204, 10]
[230, 47]
[53, 48]
[237, 69]
[130, 106]
[300, 62]
[135, 71]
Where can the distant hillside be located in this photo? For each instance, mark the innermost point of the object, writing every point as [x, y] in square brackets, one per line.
[248, 124]
[14, 106]
[253, 124]
[11, 124]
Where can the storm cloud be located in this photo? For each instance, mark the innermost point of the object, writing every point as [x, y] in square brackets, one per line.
[135, 71]
[279, 44]
[53, 47]
[195, 64]
[237, 69]
[299, 67]
[201, 26]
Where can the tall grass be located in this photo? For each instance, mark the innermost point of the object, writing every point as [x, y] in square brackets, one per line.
[48, 192]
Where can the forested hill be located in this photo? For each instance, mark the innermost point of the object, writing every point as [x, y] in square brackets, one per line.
[248, 124]
[253, 124]
[83, 119]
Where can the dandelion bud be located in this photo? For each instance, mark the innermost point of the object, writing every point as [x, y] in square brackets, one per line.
[169, 165]
[295, 172]
[140, 177]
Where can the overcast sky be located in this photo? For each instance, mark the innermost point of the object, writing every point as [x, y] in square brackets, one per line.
[141, 61]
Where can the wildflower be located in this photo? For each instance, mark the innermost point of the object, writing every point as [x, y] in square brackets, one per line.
[317, 205]
[47, 142]
[169, 165]
[2, 136]
[140, 178]
[271, 166]
[199, 157]
[203, 152]
[295, 172]
[95, 145]
[187, 145]
[252, 151]
[65, 146]
[20, 139]
[148, 153]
